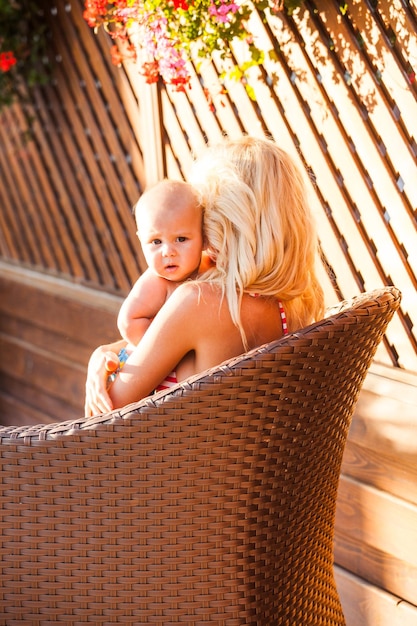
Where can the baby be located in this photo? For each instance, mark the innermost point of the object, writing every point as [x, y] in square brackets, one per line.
[169, 223]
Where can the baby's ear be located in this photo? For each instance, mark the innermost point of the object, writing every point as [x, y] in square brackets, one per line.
[207, 261]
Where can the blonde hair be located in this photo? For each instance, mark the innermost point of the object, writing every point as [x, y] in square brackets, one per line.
[259, 227]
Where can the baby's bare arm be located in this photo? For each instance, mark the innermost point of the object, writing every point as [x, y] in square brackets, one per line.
[143, 302]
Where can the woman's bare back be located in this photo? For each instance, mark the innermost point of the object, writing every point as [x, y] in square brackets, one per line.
[192, 332]
[215, 336]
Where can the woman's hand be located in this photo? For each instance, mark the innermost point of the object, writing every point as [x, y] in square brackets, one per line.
[102, 363]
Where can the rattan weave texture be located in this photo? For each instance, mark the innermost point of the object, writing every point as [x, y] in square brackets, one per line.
[212, 503]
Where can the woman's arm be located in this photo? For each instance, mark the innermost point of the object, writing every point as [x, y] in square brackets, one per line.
[174, 332]
[192, 332]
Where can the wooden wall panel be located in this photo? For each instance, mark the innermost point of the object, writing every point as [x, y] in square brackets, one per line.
[376, 537]
[376, 520]
[365, 604]
[48, 330]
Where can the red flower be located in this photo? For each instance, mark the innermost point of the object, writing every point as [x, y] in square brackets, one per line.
[151, 72]
[179, 82]
[94, 10]
[117, 57]
[7, 60]
[181, 4]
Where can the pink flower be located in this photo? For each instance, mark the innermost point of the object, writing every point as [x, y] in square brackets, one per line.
[169, 59]
[224, 11]
[166, 30]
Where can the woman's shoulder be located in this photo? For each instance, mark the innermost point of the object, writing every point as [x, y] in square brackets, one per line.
[196, 298]
[199, 288]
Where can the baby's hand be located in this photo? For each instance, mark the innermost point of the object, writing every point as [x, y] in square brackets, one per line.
[97, 399]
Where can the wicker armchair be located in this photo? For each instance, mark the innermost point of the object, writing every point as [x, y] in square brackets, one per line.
[212, 503]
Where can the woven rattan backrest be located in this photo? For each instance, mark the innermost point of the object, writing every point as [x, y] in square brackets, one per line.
[212, 503]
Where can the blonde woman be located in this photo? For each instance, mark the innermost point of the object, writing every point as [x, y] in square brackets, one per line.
[261, 235]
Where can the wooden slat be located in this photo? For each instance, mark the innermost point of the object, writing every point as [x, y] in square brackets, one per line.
[394, 536]
[395, 576]
[33, 367]
[376, 537]
[101, 173]
[395, 473]
[45, 354]
[19, 201]
[385, 419]
[76, 181]
[104, 80]
[21, 403]
[14, 412]
[40, 336]
[105, 130]
[121, 96]
[53, 226]
[10, 242]
[41, 221]
[376, 520]
[367, 605]
[57, 307]
[376, 223]
[62, 184]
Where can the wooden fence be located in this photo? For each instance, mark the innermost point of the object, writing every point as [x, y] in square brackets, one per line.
[340, 95]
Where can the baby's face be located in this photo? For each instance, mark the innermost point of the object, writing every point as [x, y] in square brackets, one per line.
[171, 235]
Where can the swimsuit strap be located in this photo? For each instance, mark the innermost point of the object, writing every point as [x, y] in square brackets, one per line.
[281, 312]
[283, 318]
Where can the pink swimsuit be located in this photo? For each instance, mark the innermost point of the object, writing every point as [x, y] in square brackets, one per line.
[171, 379]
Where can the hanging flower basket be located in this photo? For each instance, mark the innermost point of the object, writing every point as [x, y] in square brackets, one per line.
[22, 49]
[162, 35]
